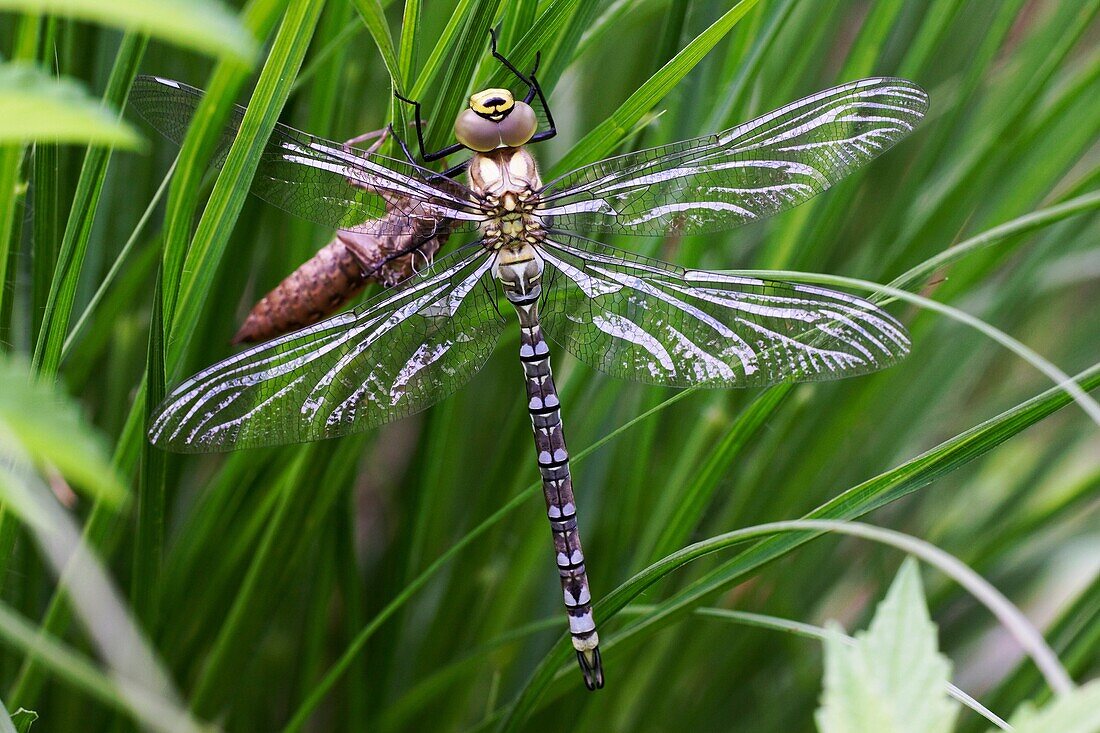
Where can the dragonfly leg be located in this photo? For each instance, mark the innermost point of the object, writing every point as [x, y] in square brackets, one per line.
[424, 154]
[552, 129]
[532, 87]
[507, 64]
[402, 144]
[557, 485]
[379, 137]
[456, 169]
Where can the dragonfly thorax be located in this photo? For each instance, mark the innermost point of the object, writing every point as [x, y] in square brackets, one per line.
[507, 183]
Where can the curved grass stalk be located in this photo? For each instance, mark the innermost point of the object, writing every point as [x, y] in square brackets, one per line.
[1025, 633]
[856, 501]
[810, 631]
[1029, 638]
[1020, 225]
[397, 712]
[1062, 380]
[116, 266]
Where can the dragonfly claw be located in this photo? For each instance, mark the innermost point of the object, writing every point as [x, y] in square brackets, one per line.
[592, 668]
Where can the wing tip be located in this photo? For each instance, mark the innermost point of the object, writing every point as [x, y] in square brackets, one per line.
[920, 101]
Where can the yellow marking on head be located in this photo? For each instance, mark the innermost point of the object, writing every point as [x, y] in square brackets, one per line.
[494, 104]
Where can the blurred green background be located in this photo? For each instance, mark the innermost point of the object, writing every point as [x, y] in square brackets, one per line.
[357, 585]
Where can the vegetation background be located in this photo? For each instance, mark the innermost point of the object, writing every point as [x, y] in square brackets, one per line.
[402, 579]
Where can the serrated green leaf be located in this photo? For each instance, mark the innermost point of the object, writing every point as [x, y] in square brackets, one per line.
[50, 428]
[23, 719]
[893, 679]
[37, 107]
[849, 704]
[203, 25]
[1078, 712]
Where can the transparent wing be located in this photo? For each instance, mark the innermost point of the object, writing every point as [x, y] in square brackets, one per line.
[748, 172]
[317, 179]
[391, 357]
[649, 321]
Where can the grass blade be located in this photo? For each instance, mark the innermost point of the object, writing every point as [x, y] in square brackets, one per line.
[602, 140]
[78, 230]
[37, 107]
[202, 25]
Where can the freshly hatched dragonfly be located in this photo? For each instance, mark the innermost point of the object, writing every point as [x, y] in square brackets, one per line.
[626, 315]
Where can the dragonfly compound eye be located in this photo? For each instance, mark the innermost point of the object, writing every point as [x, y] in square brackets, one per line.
[517, 128]
[476, 132]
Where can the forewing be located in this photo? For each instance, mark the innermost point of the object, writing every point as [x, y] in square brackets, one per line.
[391, 357]
[748, 172]
[649, 321]
[317, 179]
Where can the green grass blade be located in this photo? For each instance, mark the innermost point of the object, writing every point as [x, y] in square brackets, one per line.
[46, 185]
[260, 17]
[443, 47]
[409, 46]
[607, 135]
[117, 265]
[375, 19]
[537, 37]
[690, 506]
[151, 496]
[37, 107]
[456, 75]
[78, 230]
[1020, 225]
[279, 563]
[301, 715]
[203, 25]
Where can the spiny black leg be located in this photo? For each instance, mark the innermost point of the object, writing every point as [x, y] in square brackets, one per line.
[449, 173]
[507, 64]
[424, 154]
[419, 121]
[456, 169]
[545, 134]
[532, 88]
[401, 143]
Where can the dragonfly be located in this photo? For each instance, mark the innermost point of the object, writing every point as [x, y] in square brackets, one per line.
[621, 313]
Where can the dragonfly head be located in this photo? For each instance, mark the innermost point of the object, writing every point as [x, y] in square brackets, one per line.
[495, 119]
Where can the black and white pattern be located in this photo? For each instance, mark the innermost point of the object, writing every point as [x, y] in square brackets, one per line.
[648, 321]
[393, 356]
[746, 173]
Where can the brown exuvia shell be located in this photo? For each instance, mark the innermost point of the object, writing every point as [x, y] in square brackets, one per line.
[334, 275]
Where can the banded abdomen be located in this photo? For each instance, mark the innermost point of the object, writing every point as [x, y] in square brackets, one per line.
[520, 272]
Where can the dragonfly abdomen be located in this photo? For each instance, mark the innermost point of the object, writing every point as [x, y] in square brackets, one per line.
[521, 281]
